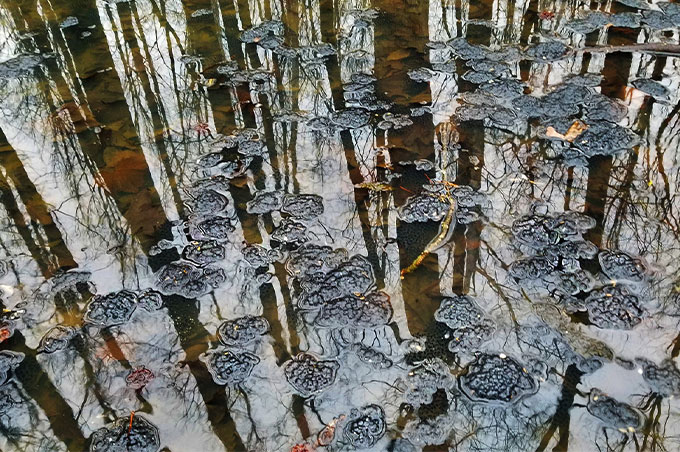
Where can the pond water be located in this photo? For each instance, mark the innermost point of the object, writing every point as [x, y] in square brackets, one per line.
[390, 225]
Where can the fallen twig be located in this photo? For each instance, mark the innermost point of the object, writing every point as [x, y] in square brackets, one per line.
[438, 240]
[651, 47]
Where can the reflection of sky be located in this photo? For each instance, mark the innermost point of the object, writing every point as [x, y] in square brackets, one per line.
[168, 103]
[62, 175]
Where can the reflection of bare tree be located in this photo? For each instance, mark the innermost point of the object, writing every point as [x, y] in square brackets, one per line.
[75, 168]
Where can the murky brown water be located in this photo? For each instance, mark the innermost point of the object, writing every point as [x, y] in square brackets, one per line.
[332, 226]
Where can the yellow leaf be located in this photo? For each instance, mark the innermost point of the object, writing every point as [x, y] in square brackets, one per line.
[576, 129]
[398, 54]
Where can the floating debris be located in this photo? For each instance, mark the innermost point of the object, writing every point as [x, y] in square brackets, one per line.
[290, 232]
[201, 12]
[424, 207]
[658, 20]
[354, 276]
[265, 202]
[602, 108]
[208, 202]
[614, 307]
[20, 65]
[653, 88]
[470, 327]
[134, 433]
[548, 50]
[542, 232]
[308, 375]
[204, 252]
[8, 362]
[6, 330]
[498, 379]
[351, 118]
[424, 380]
[620, 266]
[311, 259]
[70, 21]
[242, 331]
[664, 378]
[365, 426]
[639, 4]
[112, 309]
[187, 279]
[591, 21]
[394, 121]
[372, 357]
[613, 413]
[139, 378]
[262, 32]
[421, 74]
[57, 339]
[229, 368]
[356, 311]
[304, 207]
[258, 256]
[214, 228]
[426, 432]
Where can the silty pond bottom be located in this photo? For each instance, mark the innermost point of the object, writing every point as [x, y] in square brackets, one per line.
[330, 226]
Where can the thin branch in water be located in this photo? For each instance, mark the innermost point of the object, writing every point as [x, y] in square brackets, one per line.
[654, 48]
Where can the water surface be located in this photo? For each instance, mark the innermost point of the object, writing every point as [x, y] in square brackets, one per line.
[350, 225]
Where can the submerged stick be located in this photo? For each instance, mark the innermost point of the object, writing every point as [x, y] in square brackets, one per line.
[437, 241]
[448, 134]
